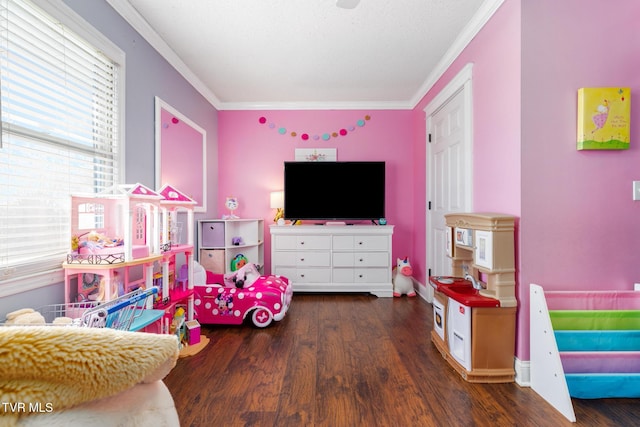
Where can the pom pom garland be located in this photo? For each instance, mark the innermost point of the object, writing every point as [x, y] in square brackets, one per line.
[326, 136]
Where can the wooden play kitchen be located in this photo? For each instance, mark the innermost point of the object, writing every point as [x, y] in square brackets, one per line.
[475, 307]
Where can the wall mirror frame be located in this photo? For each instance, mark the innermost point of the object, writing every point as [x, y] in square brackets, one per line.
[181, 153]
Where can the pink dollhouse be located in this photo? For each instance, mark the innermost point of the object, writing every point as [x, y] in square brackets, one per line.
[171, 203]
[110, 231]
[118, 225]
[119, 237]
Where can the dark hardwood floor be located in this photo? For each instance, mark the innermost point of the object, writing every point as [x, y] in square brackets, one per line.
[354, 360]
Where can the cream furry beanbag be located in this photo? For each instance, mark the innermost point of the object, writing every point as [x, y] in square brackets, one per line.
[52, 368]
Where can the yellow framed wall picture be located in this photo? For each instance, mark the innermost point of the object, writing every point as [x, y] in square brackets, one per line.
[603, 118]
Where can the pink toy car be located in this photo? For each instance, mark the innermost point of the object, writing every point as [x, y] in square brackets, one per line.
[265, 300]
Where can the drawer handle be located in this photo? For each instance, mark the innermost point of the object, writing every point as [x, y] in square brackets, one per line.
[360, 276]
[361, 260]
[302, 243]
[301, 259]
[360, 243]
[302, 275]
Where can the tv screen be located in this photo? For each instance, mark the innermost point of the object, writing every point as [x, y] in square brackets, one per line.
[334, 190]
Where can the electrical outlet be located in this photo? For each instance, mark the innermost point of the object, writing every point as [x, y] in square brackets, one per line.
[636, 190]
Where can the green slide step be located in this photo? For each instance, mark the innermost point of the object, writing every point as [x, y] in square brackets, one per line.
[595, 319]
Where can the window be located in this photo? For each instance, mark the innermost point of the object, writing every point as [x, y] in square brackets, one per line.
[60, 132]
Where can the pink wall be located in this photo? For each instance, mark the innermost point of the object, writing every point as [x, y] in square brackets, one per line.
[495, 54]
[181, 143]
[252, 155]
[580, 228]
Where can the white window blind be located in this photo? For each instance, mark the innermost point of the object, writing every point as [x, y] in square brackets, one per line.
[59, 109]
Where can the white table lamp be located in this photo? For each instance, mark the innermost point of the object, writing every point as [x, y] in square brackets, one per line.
[277, 203]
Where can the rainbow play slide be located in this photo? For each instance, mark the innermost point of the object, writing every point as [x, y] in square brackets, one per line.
[590, 340]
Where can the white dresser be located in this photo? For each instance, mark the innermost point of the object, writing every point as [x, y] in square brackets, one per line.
[334, 258]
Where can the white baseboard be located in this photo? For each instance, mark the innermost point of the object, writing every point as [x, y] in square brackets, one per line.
[523, 372]
[425, 292]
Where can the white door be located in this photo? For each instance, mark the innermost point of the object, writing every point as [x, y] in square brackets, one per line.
[448, 166]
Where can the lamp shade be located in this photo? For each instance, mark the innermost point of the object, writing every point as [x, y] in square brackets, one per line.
[277, 199]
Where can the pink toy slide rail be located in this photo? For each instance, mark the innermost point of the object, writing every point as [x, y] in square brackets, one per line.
[584, 344]
[593, 300]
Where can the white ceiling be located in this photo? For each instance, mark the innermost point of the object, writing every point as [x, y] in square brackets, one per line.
[277, 54]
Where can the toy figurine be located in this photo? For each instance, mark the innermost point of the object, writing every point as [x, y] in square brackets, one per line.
[244, 276]
[402, 279]
[238, 262]
[232, 204]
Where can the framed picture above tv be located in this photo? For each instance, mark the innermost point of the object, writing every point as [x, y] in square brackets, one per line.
[316, 154]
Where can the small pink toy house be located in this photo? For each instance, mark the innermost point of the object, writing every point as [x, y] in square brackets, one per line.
[171, 203]
[115, 226]
[114, 230]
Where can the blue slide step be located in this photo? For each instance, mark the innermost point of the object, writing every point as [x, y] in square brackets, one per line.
[602, 386]
[598, 340]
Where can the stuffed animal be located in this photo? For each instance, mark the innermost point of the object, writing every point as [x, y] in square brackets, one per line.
[243, 277]
[238, 262]
[402, 280]
[28, 316]
[25, 316]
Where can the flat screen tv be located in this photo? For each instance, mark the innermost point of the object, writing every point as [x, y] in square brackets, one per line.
[334, 190]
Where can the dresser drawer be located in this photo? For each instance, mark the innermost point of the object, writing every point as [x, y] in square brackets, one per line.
[285, 242]
[302, 243]
[361, 259]
[361, 275]
[372, 275]
[305, 275]
[361, 243]
[302, 259]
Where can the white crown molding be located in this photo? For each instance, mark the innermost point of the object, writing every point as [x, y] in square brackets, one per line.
[338, 105]
[481, 17]
[131, 15]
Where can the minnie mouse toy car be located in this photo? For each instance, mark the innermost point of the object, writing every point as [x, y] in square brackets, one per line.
[240, 295]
